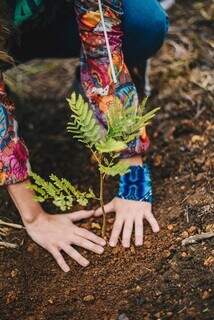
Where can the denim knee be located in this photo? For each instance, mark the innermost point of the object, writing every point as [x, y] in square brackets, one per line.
[145, 26]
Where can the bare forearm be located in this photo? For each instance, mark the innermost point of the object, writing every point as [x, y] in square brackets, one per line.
[23, 199]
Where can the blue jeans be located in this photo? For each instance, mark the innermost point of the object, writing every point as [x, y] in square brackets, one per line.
[145, 26]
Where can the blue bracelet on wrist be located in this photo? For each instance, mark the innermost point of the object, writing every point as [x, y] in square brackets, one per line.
[136, 184]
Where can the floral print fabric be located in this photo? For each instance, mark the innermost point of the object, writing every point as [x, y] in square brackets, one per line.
[13, 152]
[96, 76]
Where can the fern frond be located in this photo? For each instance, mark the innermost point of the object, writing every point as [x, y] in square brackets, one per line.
[125, 124]
[142, 106]
[110, 145]
[83, 125]
[60, 191]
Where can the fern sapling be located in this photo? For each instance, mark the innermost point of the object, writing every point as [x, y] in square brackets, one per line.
[123, 126]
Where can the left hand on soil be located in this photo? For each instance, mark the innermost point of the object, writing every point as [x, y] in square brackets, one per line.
[129, 215]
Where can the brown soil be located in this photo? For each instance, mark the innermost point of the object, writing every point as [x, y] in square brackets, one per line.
[163, 279]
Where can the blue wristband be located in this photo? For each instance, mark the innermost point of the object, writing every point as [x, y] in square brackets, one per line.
[136, 184]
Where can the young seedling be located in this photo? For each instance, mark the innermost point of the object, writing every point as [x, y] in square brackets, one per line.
[123, 125]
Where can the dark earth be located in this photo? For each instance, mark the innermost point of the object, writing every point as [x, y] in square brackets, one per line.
[163, 279]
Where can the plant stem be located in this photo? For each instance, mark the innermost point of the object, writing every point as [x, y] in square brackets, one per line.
[95, 156]
[102, 204]
[12, 225]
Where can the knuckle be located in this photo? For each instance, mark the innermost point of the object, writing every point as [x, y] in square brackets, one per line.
[117, 229]
[82, 230]
[94, 247]
[59, 258]
[79, 241]
[148, 214]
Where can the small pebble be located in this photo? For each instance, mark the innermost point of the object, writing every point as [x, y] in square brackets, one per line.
[89, 298]
[14, 273]
[192, 230]
[205, 295]
[158, 315]
[209, 261]
[184, 254]
[132, 249]
[170, 227]
[96, 226]
[138, 289]
[123, 316]
[166, 253]
[31, 248]
[50, 301]
[185, 235]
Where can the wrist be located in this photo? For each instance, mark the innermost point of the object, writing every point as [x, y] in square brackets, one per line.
[136, 184]
[30, 217]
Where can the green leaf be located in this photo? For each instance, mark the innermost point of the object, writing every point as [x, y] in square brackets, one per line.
[110, 145]
[83, 125]
[120, 168]
[125, 124]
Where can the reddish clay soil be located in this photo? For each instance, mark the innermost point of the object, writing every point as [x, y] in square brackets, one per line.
[163, 279]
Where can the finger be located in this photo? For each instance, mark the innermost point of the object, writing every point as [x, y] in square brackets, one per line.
[79, 215]
[86, 244]
[109, 207]
[127, 233]
[117, 227]
[139, 231]
[74, 254]
[153, 222]
[90, 236]
[59, 259]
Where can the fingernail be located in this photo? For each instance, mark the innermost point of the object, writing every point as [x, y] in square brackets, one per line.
[139, 244]
[112, 244]
[100, 250]
[103, 242]
[126, 245]
[86, 264]
[67, 269]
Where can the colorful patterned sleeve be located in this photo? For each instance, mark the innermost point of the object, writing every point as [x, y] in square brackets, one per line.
[96, 76]
[14, 165]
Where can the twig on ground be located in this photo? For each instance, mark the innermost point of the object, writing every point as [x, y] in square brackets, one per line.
[197, 238]
[3, 232]
[8, 245]
[182, 310]
[12, 225]
[199, 112]
[186, 213]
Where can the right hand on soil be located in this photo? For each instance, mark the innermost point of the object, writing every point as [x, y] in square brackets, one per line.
[57, 233]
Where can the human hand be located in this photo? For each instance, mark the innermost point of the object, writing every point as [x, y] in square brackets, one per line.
[129, 214]
[57, 233]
